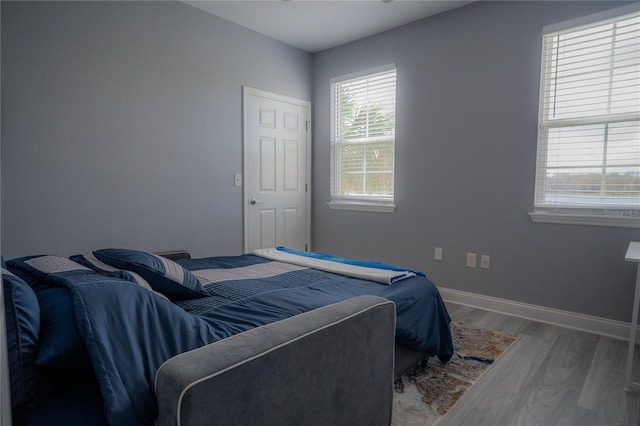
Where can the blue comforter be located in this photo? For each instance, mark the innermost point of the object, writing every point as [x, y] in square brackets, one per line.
[237, 305]
[130, 331]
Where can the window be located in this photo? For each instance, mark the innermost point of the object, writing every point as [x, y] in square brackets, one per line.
[588, 165]
[363, 140]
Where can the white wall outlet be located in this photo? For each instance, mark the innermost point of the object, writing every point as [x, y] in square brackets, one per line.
[485, 261]
[237, 179]
[438, 253]
[471, 260]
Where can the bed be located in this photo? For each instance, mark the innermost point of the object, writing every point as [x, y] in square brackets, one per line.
[111, 318]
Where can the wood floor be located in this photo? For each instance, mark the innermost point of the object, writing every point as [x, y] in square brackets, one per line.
[551, 376]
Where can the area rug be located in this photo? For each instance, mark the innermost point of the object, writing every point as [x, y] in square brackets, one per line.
[430, 389]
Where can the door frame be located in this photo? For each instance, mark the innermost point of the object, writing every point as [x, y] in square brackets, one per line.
[246, 93]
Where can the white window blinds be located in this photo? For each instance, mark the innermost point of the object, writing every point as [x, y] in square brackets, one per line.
[589, 121]
[363, 136]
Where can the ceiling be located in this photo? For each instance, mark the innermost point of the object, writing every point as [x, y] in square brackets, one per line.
[315, 25]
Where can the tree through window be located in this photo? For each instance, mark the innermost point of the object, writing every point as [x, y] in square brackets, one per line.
[589, 121]
[363, 137]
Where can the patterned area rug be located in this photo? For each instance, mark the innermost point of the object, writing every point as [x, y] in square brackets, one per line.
[425, 393]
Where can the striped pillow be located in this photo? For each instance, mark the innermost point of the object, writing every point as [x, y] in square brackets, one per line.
[90, 261]
[164, 275]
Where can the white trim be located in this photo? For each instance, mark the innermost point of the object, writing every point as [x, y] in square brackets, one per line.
[585, 219]
[590, 324]
[250, 91]
[590, 19]
[361, 206]
[359, 74]
[247, 91]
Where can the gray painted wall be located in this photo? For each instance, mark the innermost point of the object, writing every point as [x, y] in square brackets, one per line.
[122, 127]
[467, 107]
[122, 124]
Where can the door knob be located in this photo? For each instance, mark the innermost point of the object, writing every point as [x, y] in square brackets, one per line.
[254, 201]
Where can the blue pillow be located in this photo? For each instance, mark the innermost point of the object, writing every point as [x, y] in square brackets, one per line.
[164, 275]
[22, 315]
[90, 261]
[60, 345]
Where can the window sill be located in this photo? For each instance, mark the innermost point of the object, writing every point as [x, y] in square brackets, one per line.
[585, 219]
[362, 206]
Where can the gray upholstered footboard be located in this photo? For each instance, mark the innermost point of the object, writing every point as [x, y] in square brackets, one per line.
[330, 366]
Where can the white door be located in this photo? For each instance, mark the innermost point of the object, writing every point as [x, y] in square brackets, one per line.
[276, 171]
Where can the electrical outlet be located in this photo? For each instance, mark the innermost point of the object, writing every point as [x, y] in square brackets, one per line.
[485, 261]
[471, 260]
[438, 253]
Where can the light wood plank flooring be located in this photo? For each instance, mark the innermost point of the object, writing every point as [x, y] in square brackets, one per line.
[551, 376]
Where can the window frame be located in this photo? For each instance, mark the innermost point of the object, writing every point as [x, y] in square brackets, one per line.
[379, 204]
[599, 215]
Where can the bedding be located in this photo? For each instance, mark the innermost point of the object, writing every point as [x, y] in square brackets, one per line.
[22, 315]
[372, 271]
[128, 331]
[92, 262]
[61, 346]
[164, 275]
[247, 291]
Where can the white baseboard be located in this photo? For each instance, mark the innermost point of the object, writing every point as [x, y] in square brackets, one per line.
[590, 324]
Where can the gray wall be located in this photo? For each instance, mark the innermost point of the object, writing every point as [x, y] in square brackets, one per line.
[122, 127]
[122, 124]
[467, 107]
